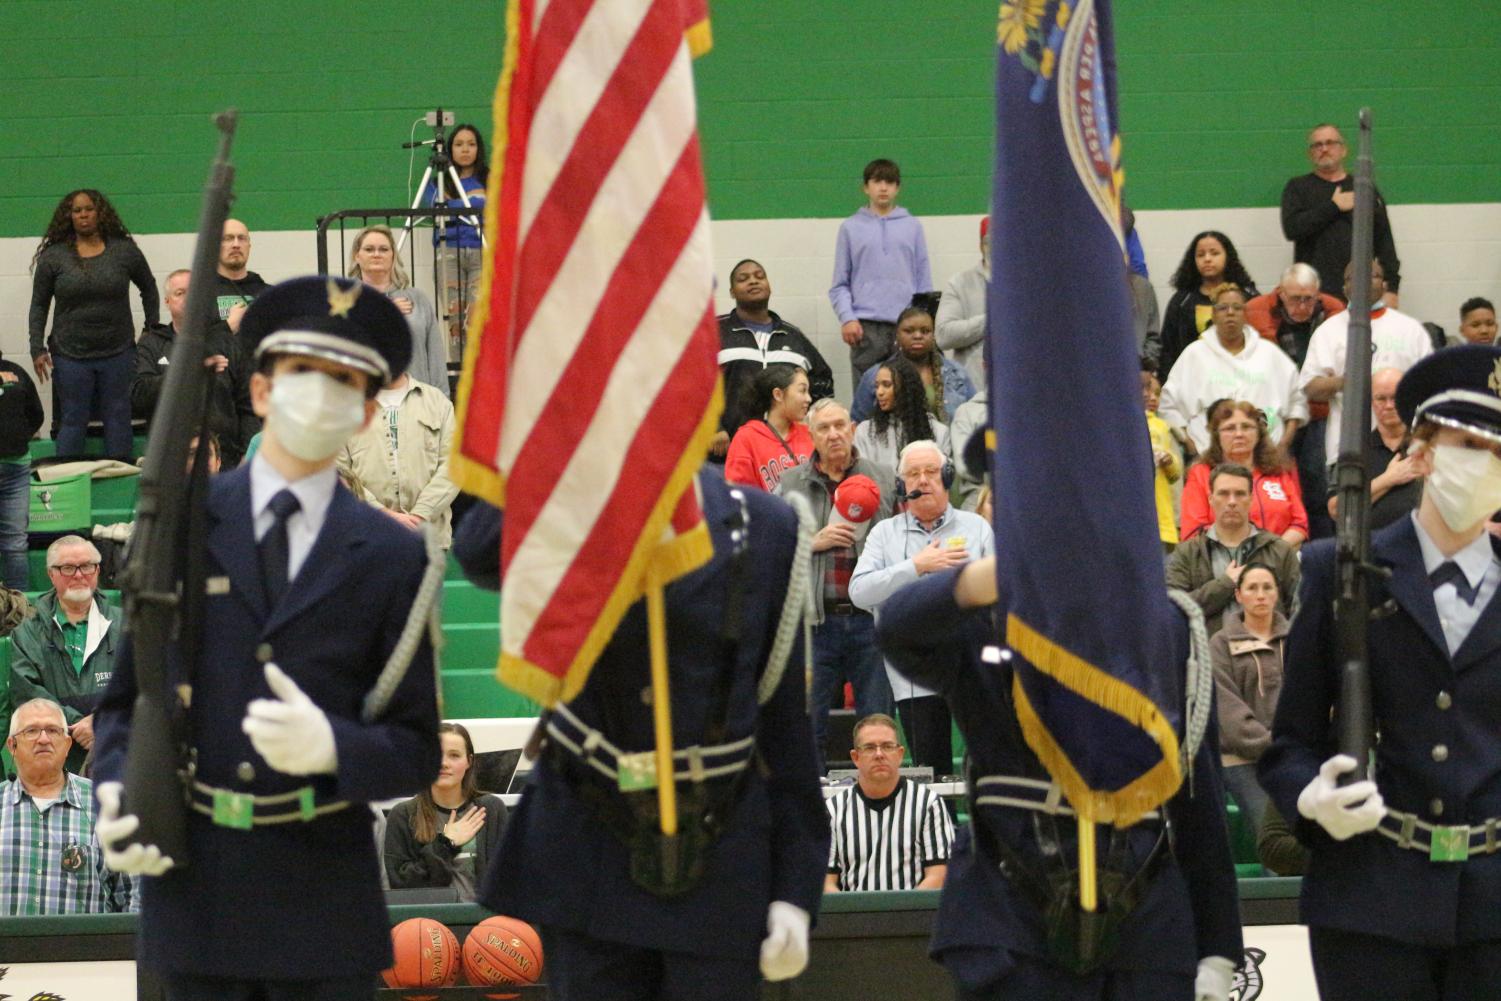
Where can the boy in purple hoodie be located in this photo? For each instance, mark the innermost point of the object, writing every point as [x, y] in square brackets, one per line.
[880, 262]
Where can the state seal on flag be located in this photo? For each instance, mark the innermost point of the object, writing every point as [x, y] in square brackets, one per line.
[1084, 113]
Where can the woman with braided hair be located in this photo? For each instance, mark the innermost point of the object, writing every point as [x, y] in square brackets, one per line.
[901, 414]
[82, 272]
[945, 383]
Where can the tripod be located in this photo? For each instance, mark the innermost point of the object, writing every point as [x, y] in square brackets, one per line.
[439, 172]
[444, 176]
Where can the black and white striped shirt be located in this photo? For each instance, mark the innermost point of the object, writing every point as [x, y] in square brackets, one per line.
[885, 844]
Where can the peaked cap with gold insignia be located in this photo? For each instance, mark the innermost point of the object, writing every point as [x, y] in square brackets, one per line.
[1457, 387]
[337, 319]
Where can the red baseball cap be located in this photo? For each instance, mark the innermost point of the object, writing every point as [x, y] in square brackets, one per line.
[856, 498]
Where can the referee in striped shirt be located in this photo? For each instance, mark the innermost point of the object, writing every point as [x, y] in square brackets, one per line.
[889, 833]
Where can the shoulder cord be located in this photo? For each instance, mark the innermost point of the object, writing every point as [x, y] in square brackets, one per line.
[425, 613]
[795, 608]
[1198, 687]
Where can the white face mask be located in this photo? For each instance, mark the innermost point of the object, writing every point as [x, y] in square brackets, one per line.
[312, 415]
[1465, 485]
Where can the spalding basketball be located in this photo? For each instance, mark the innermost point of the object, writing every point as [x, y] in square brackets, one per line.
[427, 955]
[502, 950]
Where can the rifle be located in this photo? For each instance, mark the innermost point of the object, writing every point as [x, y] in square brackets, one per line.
[1352, 605]
[163, 580]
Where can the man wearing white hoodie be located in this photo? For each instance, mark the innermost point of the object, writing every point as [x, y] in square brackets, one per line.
[1226, 363]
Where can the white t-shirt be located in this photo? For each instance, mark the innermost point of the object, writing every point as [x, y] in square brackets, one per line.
[1397, 341]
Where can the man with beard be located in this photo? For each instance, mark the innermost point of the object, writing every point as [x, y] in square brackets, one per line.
[66, 652]
[235, 285]
[752, 337]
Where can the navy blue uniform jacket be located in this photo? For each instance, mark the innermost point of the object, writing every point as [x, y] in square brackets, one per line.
[293, 900]
[560, 866]
[1423, 700]
[1190, 911]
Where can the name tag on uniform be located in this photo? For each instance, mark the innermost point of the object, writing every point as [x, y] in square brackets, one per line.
[636, 771]
[216, 585]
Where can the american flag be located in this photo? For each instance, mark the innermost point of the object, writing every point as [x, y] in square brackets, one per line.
[590, 389]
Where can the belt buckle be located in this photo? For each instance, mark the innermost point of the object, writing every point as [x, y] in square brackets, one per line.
[234, 810]
[1449, 843]
[635, 772]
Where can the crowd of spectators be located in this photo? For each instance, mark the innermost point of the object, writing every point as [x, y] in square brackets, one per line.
[1242, 393]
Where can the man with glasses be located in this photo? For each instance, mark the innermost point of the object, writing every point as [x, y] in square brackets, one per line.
[929, 536]
[49, 860]
[66, 652]
[1318, 215]
[889, 833]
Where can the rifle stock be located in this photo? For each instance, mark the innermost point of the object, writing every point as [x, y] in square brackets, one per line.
[1353, 718]
[158, 590]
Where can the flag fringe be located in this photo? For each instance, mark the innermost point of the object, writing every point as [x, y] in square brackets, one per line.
[471, 475]
[1123, 806]
[688, 551]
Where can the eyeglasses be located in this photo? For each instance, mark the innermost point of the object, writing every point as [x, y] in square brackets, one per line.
[887, 747]
[1237, 427]
[1229, 307]
[1322, 143]
[933, 472]
[74, 569]
[1301, 300]
[34, 733]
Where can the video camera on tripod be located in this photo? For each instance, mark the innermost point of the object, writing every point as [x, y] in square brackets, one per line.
[442, 175]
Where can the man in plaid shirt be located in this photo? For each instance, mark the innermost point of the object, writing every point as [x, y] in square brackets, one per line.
[49, 860]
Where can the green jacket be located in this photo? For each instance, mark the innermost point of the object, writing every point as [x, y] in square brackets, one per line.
[40, 667]
[1191, 569]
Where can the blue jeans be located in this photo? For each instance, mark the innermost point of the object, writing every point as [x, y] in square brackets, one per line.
[88, 387]
[844, 649]
[1240, 782]
[15, 514]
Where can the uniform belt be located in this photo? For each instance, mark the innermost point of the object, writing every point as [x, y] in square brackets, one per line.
[1021, 793]
[229, 808]
[594, 750]
[842, 608]
[1458, 841]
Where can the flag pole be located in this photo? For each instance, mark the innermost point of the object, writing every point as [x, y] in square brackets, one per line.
[661, 703]
[1087, 899]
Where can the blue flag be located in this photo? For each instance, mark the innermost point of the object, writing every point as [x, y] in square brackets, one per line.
[1098, 685]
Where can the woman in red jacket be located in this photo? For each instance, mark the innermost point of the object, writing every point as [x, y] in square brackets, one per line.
[1237, 433]
[762, 450]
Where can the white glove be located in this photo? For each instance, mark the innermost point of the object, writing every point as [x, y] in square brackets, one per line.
[1334, 806]
[112, 829]
[1215, 978]
[292, 734]
[784, 951]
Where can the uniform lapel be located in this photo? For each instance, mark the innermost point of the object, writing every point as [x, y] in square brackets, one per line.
[1409, 585]
[326, 565]
[231, 538]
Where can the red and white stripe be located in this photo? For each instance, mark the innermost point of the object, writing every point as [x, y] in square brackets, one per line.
[599, 351]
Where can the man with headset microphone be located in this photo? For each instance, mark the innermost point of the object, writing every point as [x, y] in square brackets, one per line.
[930, 535]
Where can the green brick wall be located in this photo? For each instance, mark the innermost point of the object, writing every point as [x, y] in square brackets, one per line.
[795, 97]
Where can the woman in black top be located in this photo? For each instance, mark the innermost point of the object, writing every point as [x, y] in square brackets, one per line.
[446, 834]
[20, 416]
[82, 273]
[1210, 260]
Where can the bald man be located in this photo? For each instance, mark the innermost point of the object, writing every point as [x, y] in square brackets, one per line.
[235, 285]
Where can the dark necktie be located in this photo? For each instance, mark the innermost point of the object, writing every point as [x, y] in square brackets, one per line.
[1449, 573]
[276, 559]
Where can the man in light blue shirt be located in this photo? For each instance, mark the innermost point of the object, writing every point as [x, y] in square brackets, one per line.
[930, 535]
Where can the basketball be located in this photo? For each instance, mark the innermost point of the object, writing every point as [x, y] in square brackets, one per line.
[502, 950]
[427, 955]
